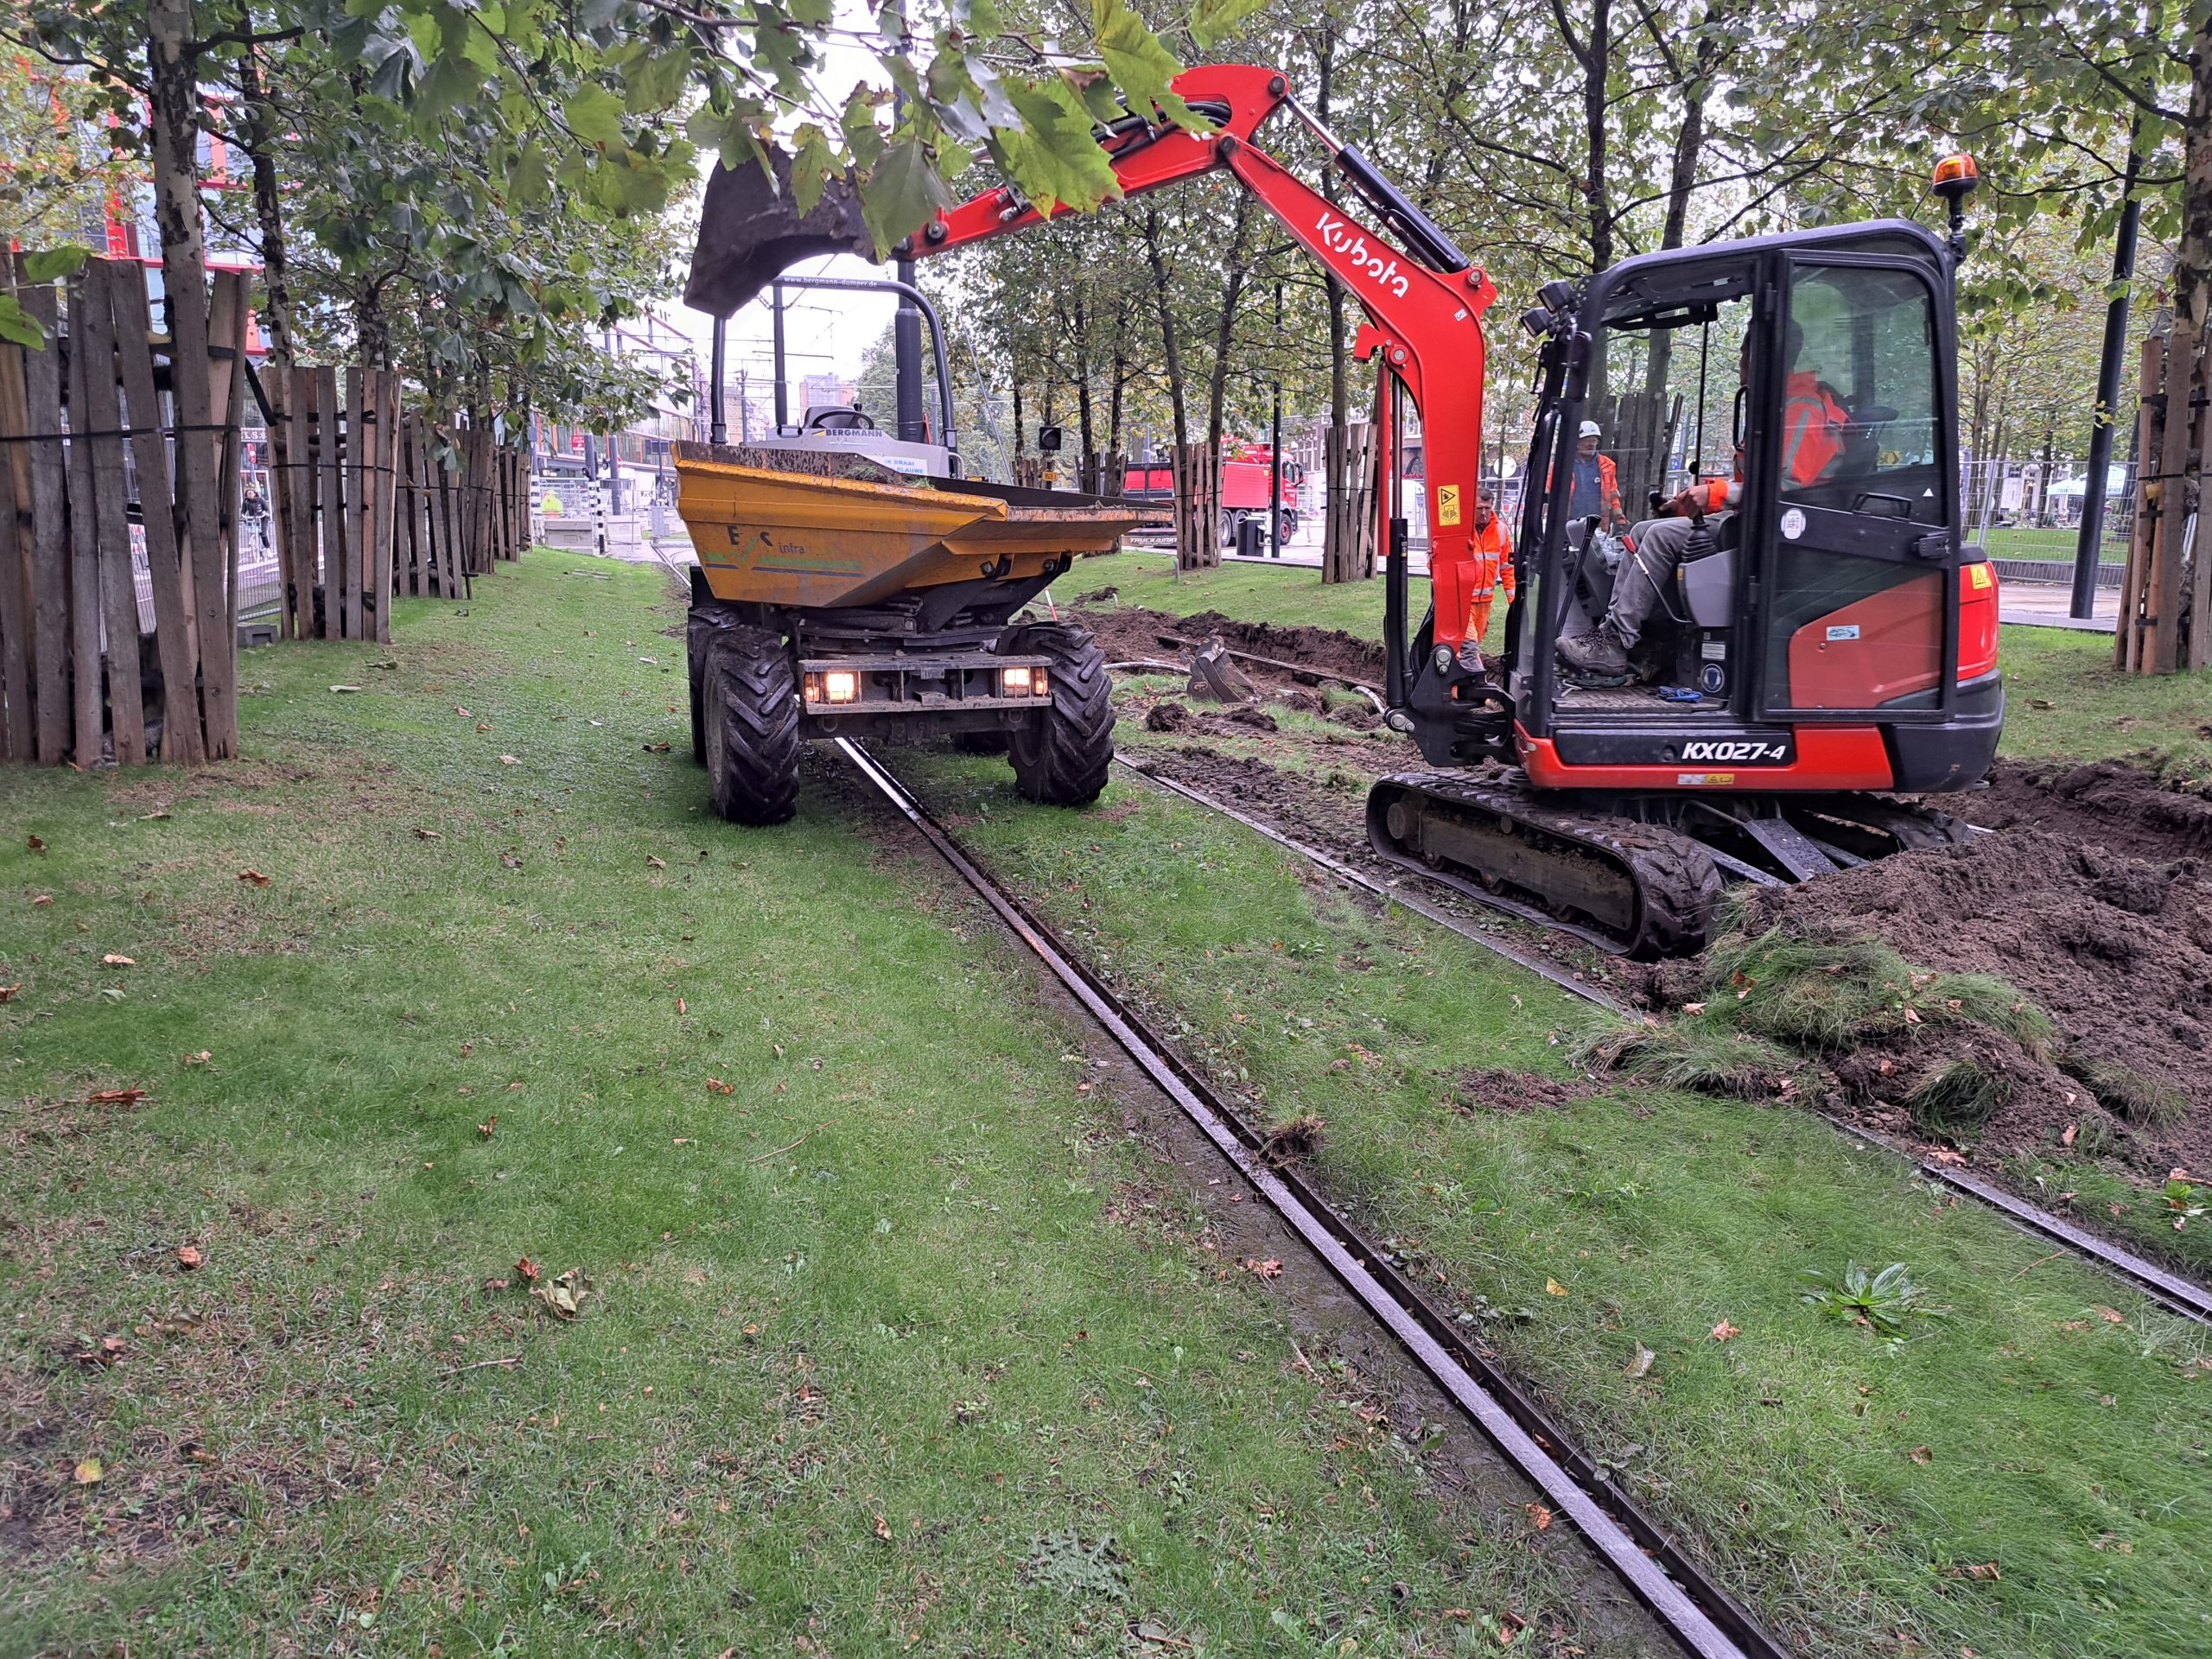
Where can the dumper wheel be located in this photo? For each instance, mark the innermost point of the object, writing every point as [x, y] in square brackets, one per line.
[705, 625]
[1063, 758]
[752, 728]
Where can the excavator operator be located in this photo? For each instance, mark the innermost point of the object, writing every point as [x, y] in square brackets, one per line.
[1812, 439]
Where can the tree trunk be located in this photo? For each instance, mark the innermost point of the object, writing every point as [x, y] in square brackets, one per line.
[1170, 345]
[2192, 303]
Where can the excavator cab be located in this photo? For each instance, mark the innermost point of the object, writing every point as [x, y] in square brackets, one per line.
[1826, 629]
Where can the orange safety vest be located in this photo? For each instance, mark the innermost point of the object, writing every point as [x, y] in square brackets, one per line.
[1493, 551]
[1812, 429]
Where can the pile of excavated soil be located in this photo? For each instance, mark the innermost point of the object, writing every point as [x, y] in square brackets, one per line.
[2109, 803]
[1130, 631]
[2116, 947]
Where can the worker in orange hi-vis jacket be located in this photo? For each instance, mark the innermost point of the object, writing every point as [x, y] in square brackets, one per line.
[1493, 564]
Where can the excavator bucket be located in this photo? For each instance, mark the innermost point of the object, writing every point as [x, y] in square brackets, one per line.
[751, 232]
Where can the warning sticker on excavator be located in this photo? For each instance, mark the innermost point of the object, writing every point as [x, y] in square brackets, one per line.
[1448, 503]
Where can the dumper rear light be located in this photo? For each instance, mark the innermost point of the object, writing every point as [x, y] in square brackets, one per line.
[832, 686]
[1024, 682]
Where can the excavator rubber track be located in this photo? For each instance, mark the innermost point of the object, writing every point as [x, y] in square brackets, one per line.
[1633, 889]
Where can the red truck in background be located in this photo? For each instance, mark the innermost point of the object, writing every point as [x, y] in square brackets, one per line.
[1243, 486]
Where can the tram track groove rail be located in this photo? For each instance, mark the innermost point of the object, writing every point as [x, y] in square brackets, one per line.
[1694, 1609]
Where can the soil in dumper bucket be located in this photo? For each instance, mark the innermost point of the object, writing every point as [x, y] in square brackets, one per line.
[1129, 632]
[2115, 949]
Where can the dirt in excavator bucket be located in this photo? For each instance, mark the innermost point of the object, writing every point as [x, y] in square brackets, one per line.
[797, 528]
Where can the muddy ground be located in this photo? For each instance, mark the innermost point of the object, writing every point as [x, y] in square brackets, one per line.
[1131, 632]
[2093, 898]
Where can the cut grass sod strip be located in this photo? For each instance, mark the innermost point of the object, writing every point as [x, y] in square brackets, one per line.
[2027, 1474]
[886, 1325]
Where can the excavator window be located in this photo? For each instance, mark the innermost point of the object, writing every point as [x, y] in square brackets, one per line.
[1859, 447]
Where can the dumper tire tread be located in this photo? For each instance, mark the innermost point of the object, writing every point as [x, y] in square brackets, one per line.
[752, 728]
[703, 625]
[1063, 760]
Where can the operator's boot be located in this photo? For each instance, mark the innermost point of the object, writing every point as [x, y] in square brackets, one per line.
[1594, 659]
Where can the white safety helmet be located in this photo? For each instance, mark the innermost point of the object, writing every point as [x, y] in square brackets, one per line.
[1592, 429]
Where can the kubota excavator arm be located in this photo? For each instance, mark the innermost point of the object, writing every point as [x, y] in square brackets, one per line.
[1424, 300]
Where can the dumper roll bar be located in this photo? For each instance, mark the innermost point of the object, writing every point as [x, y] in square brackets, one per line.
[1424, 298]
[946, 436]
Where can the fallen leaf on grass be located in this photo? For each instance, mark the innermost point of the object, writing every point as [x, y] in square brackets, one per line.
[1641, 1364]
[882, 1527]
[427, 834]
[7, 992]
[509, 761]
[34, 844]
[2110, 1315]
[345, 687]
[254, 876]
[715, 1085]
[1552, 1288]
[511, 860]
[680, 1007]
[42, 898]
[525, 1269]
[656, 863]
[89, 1472]
[1725, 1331]
[204, 1057]
[114, 1097]
[2066, 1136]
[112, 960]
[1692, 1007]
[1973, 1570]
[462, 712]
[1270, 1268]
[1539, 1516]
[496, 1284]
[188, 1256]
[485, 1129]
[1920, 1454]
[656, 748]
[564, 1297]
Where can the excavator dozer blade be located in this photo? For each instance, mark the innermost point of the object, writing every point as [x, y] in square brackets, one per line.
[751, 232]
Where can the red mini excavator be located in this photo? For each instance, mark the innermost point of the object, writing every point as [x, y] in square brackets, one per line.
[1821, 644]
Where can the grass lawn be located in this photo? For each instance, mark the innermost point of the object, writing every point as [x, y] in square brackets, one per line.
[2026, 1474]
[889, 1326]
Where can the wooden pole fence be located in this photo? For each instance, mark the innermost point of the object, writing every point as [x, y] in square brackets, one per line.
[118, 528]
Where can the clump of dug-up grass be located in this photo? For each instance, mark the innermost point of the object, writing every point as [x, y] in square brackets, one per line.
[1297, 1142]
[1960, 1096]
[2141, 1101]
[1804, 1008]
[1703, 1055]
[1814, 988]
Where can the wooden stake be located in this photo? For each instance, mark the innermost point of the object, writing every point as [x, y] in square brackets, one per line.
[15, 533]
[306, 473]
[84, 548]
[126, 294]
[331, 507]
[126, 708]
